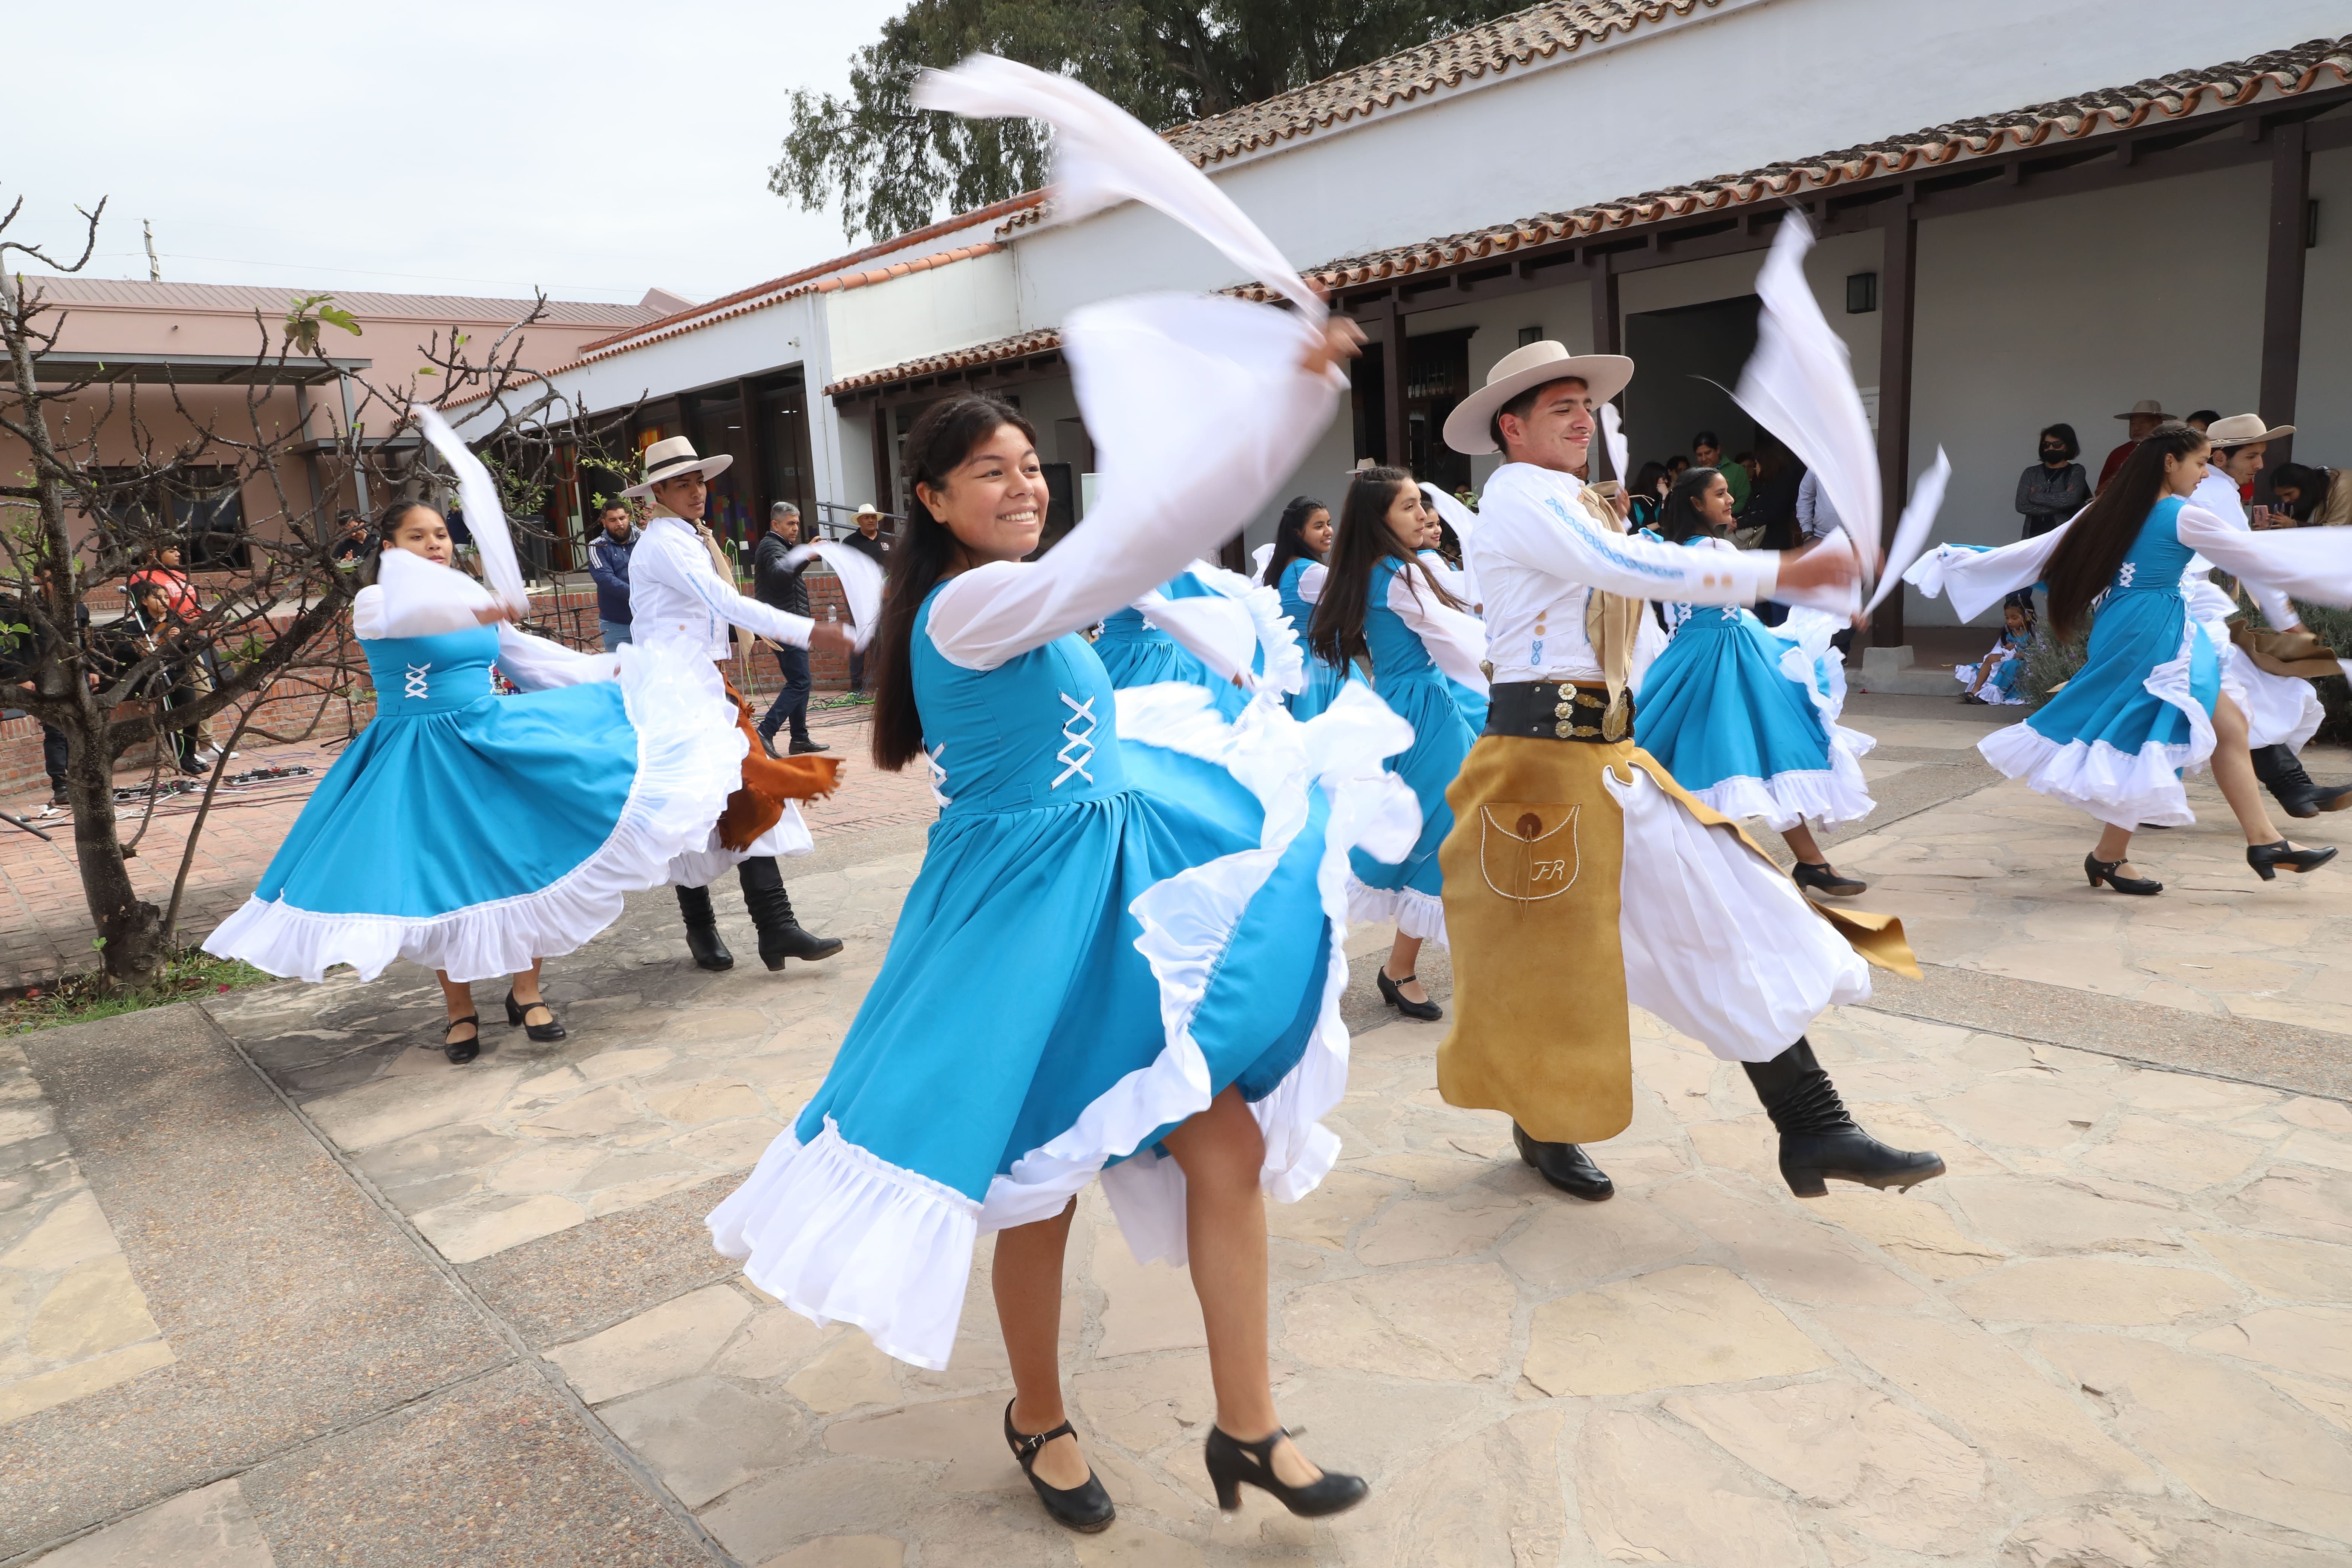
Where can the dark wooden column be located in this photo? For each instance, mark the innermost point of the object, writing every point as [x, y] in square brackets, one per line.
[755, 467]
[1899, 276]
[1392, 384]
[883, 497]
[1607, 338]
[2283, 289]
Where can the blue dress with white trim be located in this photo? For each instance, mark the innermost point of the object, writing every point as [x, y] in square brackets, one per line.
[1136, 653]
[474, 833]
[1128, 903]
[1745, 716]
[1323, 680]
[1411, 891]
[2114, 740]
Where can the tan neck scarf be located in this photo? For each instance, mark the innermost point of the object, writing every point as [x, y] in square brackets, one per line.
[1612, 622]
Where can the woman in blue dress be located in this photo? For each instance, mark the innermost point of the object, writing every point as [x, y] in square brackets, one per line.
[1208, 627]
[1379, 606]
[430, 840]
[1169, 885]
[1302, 542]
[2151, 701]
[1745, 716]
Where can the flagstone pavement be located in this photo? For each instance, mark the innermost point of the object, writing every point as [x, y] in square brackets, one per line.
[374, 1310]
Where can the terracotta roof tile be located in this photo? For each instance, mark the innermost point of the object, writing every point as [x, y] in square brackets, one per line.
[2322, 63]
[242, 298]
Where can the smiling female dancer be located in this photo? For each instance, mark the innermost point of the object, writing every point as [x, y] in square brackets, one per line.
[1170, 885]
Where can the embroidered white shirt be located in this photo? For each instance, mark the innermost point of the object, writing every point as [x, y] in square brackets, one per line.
[676, 596]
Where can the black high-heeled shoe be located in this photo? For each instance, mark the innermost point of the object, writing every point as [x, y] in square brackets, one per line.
[1822, 877]
[460, 1052]
[2268, 859]
[516, 1012]
[1086, 1507]
[1232, 1461]
[2100, 871]
[1427, 1012]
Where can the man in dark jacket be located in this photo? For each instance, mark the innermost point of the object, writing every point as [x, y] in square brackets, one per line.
[782, 587]
[608, 563]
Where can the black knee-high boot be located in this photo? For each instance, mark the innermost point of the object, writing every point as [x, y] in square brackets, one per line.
[781, 936]
[1818, 1139]
[702, 930]
[2281, 772]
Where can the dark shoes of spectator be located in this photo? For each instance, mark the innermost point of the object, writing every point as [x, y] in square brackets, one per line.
[804, 744]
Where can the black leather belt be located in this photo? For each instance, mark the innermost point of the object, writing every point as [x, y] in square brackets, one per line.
[1558, 710]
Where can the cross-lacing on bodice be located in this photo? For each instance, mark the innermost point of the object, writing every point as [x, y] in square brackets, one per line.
[1078, 745]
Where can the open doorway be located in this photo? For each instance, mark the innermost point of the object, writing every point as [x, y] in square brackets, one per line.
[1668, 401]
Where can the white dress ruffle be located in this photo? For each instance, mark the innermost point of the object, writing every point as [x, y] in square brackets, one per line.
[901, 1277]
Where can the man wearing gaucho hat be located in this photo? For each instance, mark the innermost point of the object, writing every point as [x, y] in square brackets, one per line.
[1578, 876]
[676, 596]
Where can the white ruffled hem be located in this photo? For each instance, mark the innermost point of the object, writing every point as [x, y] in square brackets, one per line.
[1991, 694]
[1827, 796]
[2119, 788]
[1286, 660]
[846, 1237]
[686, 770]
[1414, 914]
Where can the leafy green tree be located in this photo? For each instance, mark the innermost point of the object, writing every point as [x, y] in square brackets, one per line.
[1165, 62]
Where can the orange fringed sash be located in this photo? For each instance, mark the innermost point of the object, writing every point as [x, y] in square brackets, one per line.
[768, 782]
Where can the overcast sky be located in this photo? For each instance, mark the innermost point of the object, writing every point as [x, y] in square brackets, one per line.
[593, 148]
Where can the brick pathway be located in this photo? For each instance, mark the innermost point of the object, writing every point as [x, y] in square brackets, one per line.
[45, 928]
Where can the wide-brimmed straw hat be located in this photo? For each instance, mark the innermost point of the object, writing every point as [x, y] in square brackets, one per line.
[674, 458]
[1468, 429]
[2147, 408]
[2245, 430]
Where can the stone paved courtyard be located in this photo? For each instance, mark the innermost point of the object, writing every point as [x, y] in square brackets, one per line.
[277, 1285]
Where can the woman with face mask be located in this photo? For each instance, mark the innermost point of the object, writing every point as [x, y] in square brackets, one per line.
[2056, 487]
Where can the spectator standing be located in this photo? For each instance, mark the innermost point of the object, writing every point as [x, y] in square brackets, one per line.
[171, 602]
[2145, 416]
[1773, 503]
[1707, 452]
[1649, 496]
[161, 602]
[2056, 487]
[2202, 420]
[781, 586]
[868, 542]
[2312, 497]
[608, 563]
[352, 538]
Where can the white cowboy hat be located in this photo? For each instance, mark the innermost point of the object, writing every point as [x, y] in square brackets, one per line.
[1523, 370]
[866, 508]
[2146, 407]
[674, 459]
[2245, 430]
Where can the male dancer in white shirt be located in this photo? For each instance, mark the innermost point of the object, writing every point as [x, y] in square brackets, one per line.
[676, 596]
[1578, 876]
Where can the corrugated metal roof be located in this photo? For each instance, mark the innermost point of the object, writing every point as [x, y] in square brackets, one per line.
[241, 298]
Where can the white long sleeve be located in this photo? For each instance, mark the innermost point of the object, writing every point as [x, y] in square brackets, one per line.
[1978, 579]
[676, 594]
[1210, 627]
[535, 664]
[2313, 564]
[1544, 530]
[1198, 409]
[1455, 640]
[1311, 581]
[414, 597]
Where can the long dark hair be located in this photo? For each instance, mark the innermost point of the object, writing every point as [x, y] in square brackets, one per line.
[937, 444]
[1288, 546]
[1363, 540]
[1678, 515]
[2085, 561]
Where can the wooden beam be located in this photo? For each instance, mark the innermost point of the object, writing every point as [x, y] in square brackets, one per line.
[882, 496]
[1392, 385]
[1898, 277]
[2282, 287]
[1606, 339]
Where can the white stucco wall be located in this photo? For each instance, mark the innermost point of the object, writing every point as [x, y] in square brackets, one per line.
[1721, 91]
[952, 306]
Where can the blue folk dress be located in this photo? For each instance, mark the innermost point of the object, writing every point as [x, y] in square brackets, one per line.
[473, 833]
[2114, 739]
[1128, 903]
[1322, 680]
[1745, 716]
[1134, 652]
[1411, 891]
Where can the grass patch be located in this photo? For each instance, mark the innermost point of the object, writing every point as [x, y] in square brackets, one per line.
[77, 999]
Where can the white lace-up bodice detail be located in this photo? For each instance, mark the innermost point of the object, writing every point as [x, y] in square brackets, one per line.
[1077, 744]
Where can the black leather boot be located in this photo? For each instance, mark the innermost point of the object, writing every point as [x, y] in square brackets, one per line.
[1565, 1165]
[781, 936]
[2282, 773]
[702, 930]
[1818, 1139]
